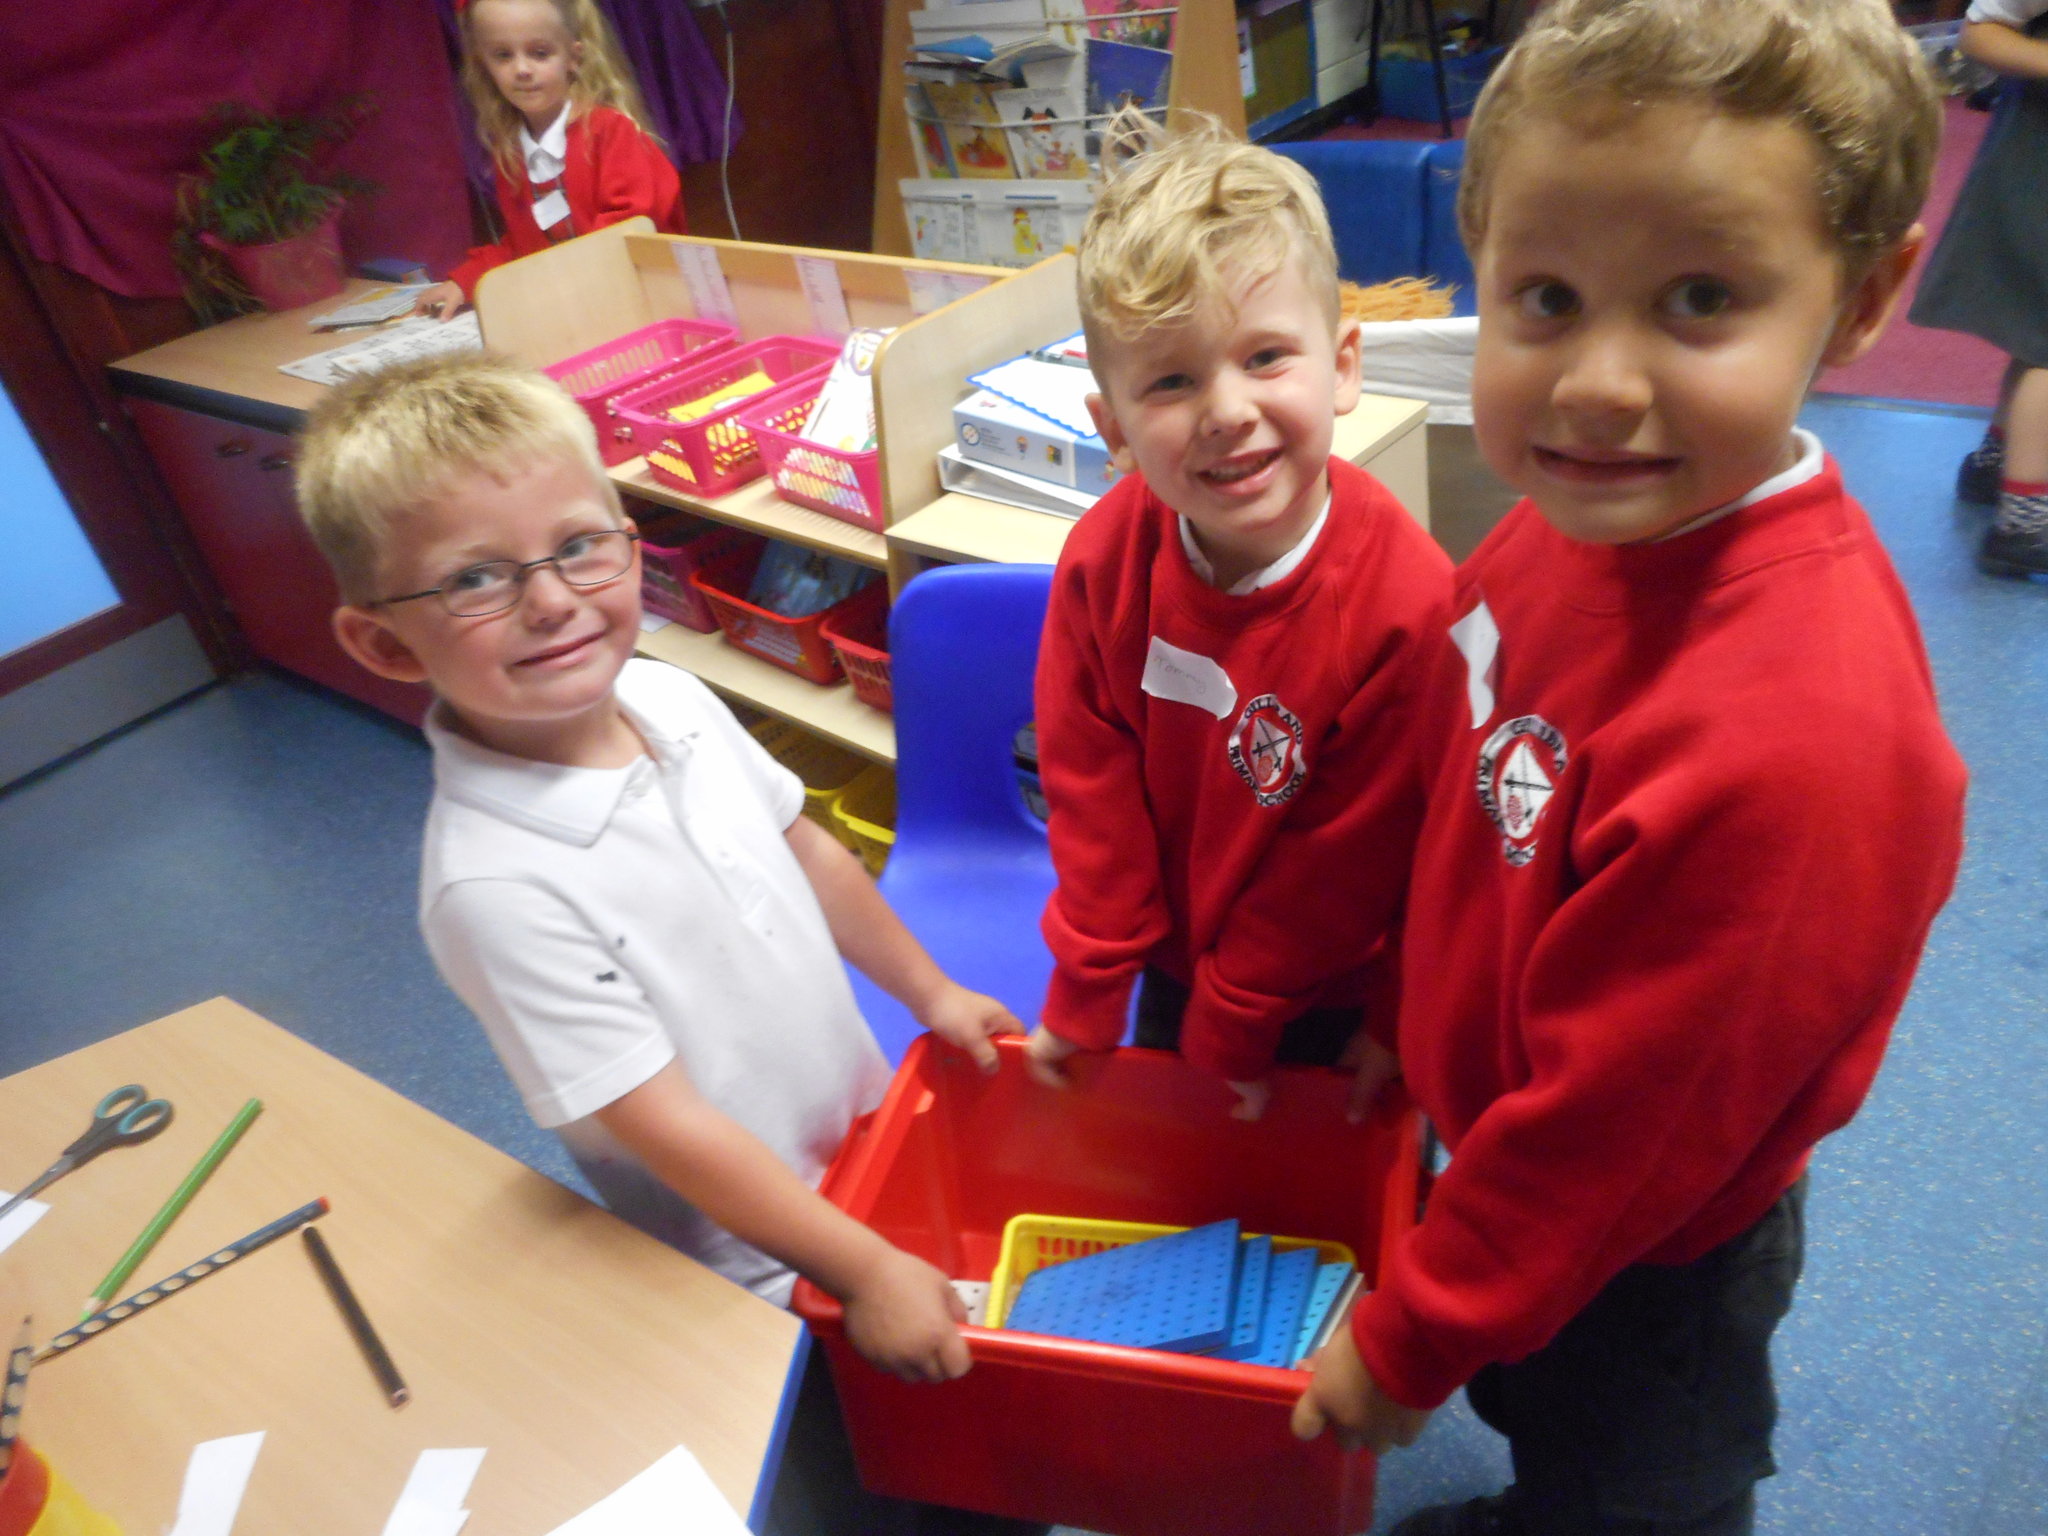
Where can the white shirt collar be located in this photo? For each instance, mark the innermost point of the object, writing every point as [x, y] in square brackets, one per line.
[1811, 460]
[573, 805]
[546, 155]
[1265, 575]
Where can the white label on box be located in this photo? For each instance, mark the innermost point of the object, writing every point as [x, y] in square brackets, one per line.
[820, 277]
[705, 279]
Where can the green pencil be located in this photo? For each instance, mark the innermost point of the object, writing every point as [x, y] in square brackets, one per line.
[138, 1250]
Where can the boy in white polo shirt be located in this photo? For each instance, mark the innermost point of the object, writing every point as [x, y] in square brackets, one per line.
[617, 880]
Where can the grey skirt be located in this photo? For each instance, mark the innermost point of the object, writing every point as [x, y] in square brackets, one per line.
[1989, 274]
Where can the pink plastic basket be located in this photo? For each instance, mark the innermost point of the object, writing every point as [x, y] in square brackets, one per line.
[671, 555]
[599, 377]
[714, 453]
[838, 482]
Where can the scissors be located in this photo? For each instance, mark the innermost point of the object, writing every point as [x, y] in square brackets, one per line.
[124, 1118]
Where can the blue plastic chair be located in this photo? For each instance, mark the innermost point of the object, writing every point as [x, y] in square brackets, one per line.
[1443, 248]
[970, 871]
[1374, 191]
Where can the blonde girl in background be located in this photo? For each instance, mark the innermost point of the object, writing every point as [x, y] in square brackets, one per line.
[570, 148]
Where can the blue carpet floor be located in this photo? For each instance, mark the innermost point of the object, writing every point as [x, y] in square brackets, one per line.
[260, 840]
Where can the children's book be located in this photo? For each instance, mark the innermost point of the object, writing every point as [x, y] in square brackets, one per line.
[927, 137]
[1126, 75]
[843, 416]
[1112, 21]
[1048, 140]
[973, 129]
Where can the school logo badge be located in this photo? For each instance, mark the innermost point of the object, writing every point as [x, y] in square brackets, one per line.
[1518, 771]
[1265, 749]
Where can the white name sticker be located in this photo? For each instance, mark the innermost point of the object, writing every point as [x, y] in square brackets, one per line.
[550, 210]
[1187, 677]
[1477, 637]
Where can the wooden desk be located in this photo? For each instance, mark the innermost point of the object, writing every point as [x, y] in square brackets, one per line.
[524, 1318]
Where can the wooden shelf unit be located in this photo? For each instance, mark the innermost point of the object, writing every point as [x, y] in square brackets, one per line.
[589, 291]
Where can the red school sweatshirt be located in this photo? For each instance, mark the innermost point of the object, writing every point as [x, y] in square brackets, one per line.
[1691, 814]
[611, 171]
[1252, 843]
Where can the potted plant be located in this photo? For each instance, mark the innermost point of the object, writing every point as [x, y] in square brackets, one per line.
[258, 225]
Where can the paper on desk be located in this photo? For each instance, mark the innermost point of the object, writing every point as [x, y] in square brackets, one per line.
[431, 1502]
[214, 1481]
[674, 1497]
[18, 1220]
[405, 342]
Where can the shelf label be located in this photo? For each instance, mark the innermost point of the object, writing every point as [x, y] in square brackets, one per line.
[935, 290]
[705, 278]
[820, 277]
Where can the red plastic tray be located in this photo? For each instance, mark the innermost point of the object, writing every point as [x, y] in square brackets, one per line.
[795, 645]
[858, 632]
[1109, 1439]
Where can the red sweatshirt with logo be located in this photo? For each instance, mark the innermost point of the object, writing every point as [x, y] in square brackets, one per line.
[1691, 814]
[611, 171]
[1233, 793]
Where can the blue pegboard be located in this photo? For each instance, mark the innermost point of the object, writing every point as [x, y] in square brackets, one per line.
[1322, 1296]
[1289, 1280]
[1175, 1292]
[1253, 1260]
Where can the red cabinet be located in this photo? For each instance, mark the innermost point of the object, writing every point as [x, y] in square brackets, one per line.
[233, 483]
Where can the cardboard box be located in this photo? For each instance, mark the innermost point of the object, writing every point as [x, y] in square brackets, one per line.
[992, 430]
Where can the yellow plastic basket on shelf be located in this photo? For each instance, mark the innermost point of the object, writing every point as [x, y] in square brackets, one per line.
[866, 813]
[1032, 1243]
[825, 769]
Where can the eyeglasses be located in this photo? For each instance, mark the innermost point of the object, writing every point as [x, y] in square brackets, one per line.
[588, 560]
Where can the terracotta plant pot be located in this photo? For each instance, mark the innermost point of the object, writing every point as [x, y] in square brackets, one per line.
[287, 273]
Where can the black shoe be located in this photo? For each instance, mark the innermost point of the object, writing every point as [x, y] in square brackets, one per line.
[2013, 552]
[1492, 1516]
[1978, 477]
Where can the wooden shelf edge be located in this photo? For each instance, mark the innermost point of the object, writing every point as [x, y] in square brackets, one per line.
[756, 507]
[831, 712]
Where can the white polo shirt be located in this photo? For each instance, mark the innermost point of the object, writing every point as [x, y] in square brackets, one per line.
[603, 922]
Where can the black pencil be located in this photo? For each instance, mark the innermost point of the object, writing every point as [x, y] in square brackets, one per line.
[170, 1285]
[17, 1385]
[388, 1380]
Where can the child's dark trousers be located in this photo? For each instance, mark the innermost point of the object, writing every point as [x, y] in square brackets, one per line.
[1314, 1039]
[1650, 1413]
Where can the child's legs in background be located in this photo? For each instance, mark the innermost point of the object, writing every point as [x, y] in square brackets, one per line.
[1315, 1039]
[1650, 1413]
[2025, 413]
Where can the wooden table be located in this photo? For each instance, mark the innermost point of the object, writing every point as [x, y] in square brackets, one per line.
[524, 1318]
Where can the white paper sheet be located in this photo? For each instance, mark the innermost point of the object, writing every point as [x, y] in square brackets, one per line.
[18, 1220]
[215, 1479]
[404, 342]
[431, 1502]
[674, 1497]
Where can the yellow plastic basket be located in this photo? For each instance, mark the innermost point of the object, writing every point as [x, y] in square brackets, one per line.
[825, 769]
[866, 813]
[1032, 1243]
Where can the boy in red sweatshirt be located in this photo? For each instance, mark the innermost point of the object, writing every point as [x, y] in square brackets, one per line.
[1223, 686]
[1691, 807]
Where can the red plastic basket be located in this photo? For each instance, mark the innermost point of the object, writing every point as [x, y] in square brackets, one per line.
[714, 453]
[669, 557]
[858, 632]
[1134, 1441]
[796, 645]
[600, 377]
[835, 481]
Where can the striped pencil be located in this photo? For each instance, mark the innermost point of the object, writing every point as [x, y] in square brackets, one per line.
[170, 1285]
[18, 1362]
